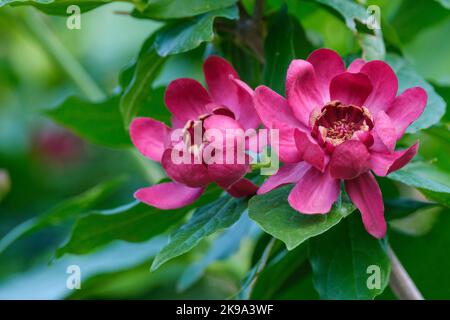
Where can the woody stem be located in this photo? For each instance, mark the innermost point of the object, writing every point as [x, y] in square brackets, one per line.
[400, 281]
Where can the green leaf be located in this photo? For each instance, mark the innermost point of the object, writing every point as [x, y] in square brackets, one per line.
[58, 7]
[403, 207]
[408, 78]
[444, 3]
[173, 9]
[205, 221]
[286, 40]
[432, 182]
[227, 244]
[135, 222]
[68, 209]
[139, 90]
[355, 17]
[187, 35]
[100, 123]
[340, 260]
[275, 216]
[426, 259]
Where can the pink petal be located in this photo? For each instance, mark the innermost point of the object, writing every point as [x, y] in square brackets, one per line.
[327, 64]
[221, 122]
[242, 188]
[366, 195]
[309, 150]
[350, 88]
[385, 85]
[383, 133]
[287, 149]
[350, 159]
[356, 65]
[244, 108]
[383, 164]
[289, 173]
[169, 195]
[315, 192]
[228, 91]
[273, 109]
[191, 174]
[149, 136]
[303, 93]
[186, 99]
[407, 108]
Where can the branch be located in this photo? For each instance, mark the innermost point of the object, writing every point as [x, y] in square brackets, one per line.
[400, 282]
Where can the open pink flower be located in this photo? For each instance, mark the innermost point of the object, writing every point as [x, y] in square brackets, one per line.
[227, 105]
[339, 124]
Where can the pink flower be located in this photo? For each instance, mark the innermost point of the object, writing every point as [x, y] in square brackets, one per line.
[228, 105]
[339, 124]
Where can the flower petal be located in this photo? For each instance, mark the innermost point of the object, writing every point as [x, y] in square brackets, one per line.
[242, 188]
[149, 137]
[303, 94]
[190, 173]
[186, 99]
[226, 175]
[383, 164]
[315, 192]
[169, 195]
[356, 65]
[407, 108]
[385, 85]
[309, 150]
[244, 108]
[366, 195]
[350, 88]
[327, 64]
[384, 134]
[273, 109]
[289, 173]
[350, 159]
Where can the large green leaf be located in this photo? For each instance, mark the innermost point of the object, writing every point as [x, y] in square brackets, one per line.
[58, 7]
[355, 17]
[341, 261]
[189, 34]
[172, 9]
[432, 182]
[286, 40]
[69, 209]
[274, 215]
[139, 89]
[408, 78]
[99, 123]
[135, 222]
[206, 220]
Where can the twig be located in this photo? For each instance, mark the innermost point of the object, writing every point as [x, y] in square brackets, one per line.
[400, 282]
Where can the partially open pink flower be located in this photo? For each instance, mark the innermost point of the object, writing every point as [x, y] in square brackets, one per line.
[339, 124]
[227, 105]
